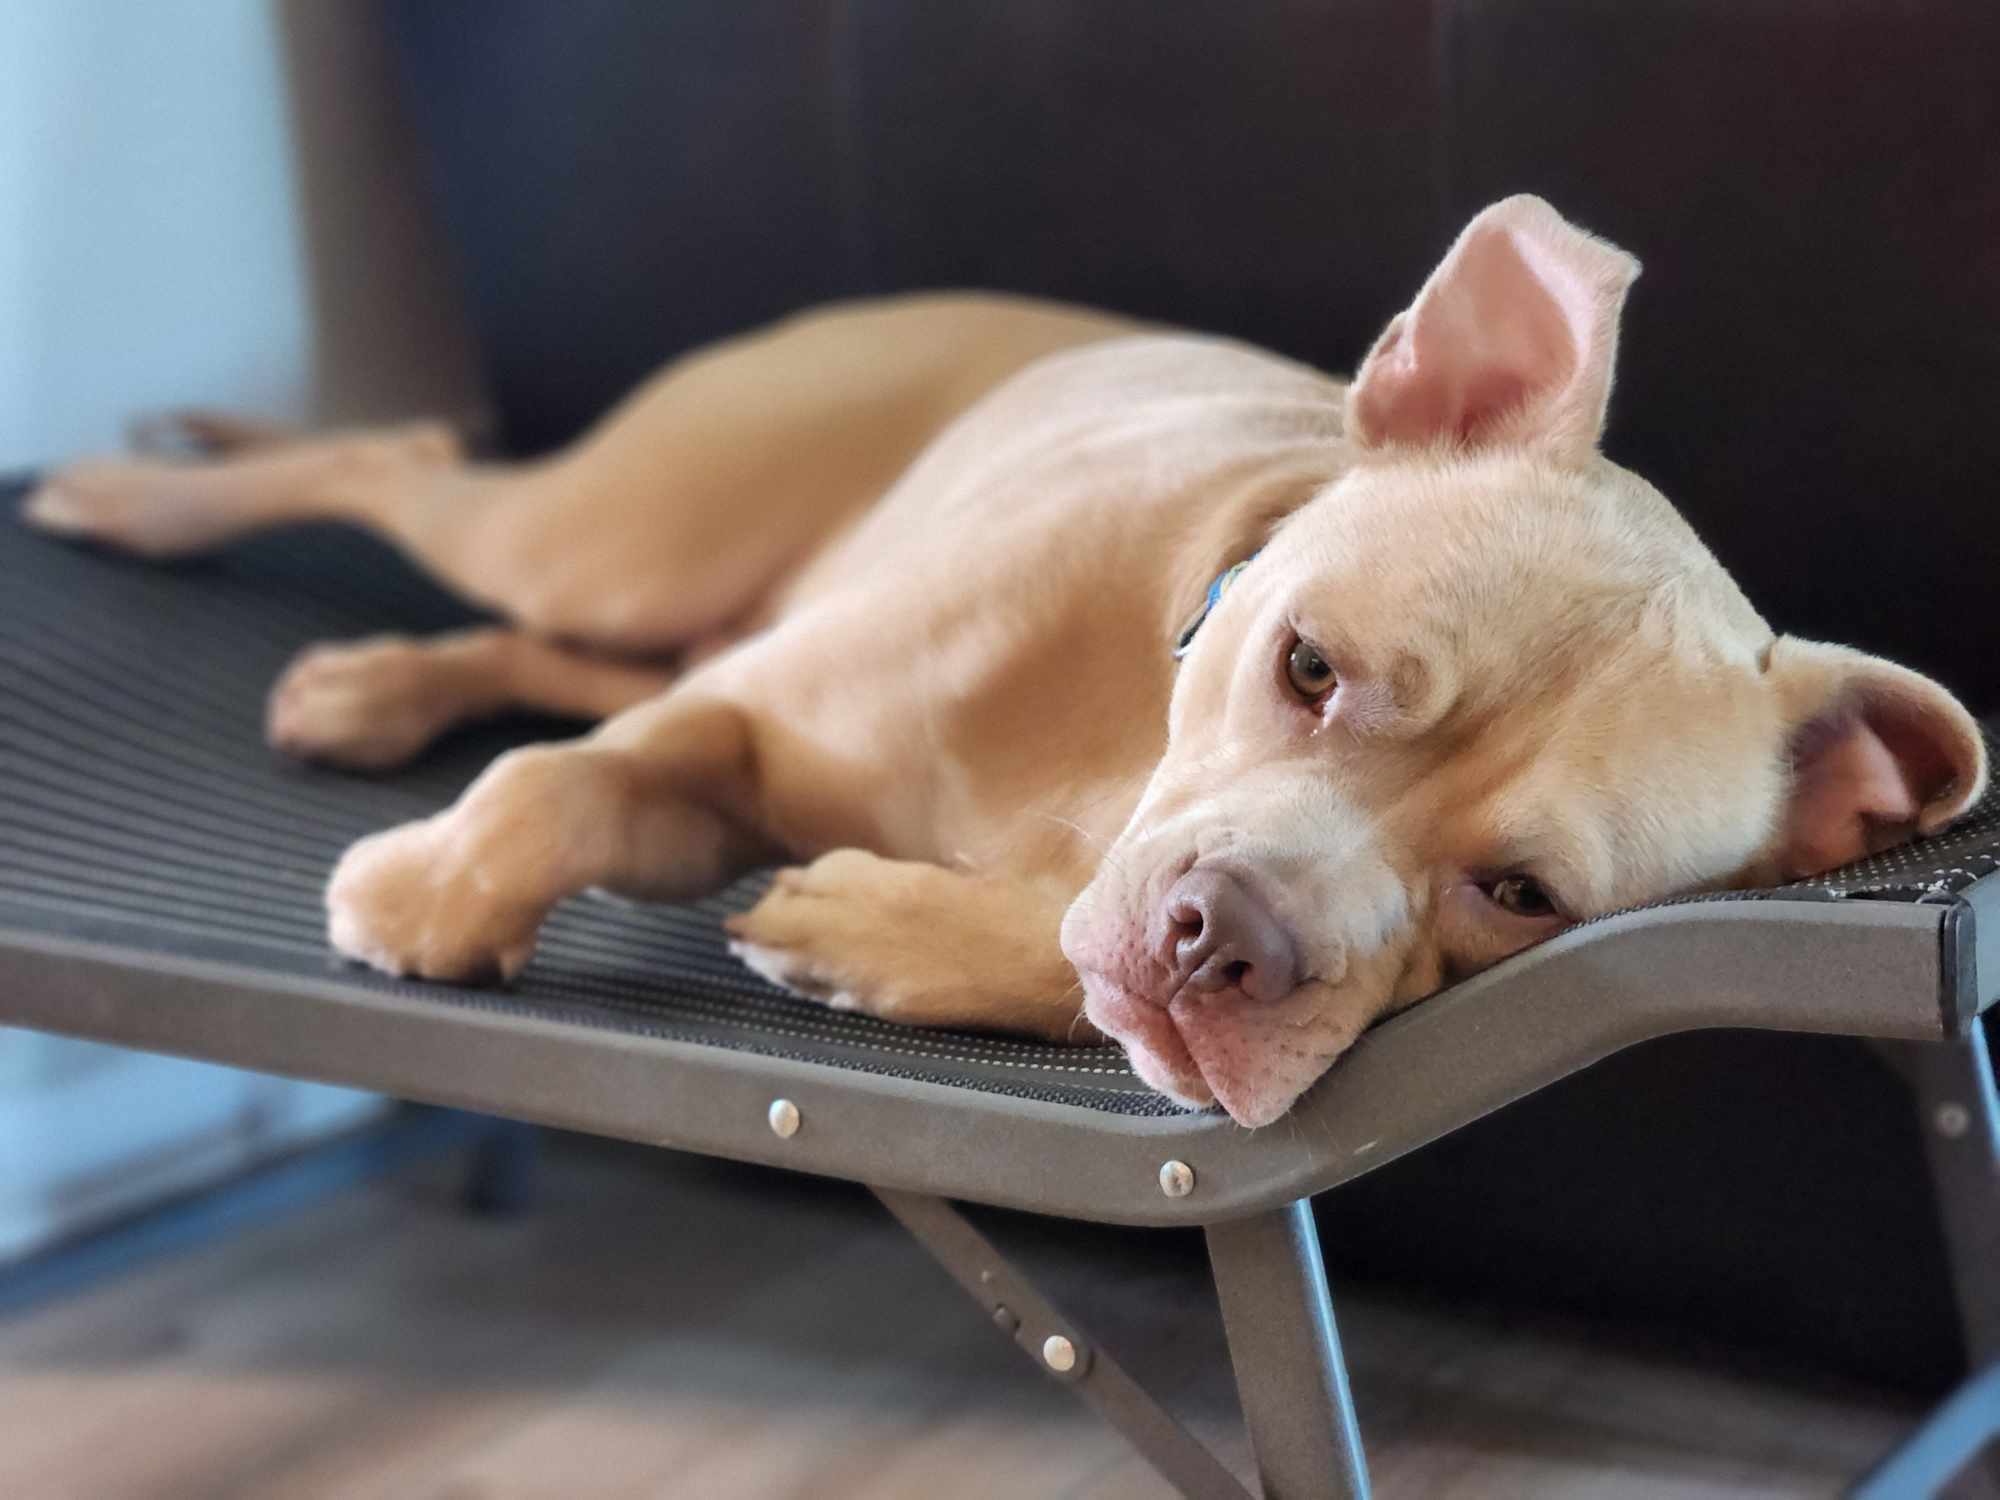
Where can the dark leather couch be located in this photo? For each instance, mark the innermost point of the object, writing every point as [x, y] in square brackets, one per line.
[1811, 368]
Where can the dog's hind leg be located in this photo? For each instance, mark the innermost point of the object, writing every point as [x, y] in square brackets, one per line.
[375, 703]
[172, 508]
[668, 523]
[529, 541]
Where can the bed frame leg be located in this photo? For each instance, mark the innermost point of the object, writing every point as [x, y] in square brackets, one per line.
[1958, 1111]
[1063, 1350]
[1289, 1369]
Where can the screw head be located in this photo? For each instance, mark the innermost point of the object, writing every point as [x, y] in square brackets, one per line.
[1059, 1354]
[1005, 1320]
[784, 1118]
[1176, 1179]
[1952, 1120]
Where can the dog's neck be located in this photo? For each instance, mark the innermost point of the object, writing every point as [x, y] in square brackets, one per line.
[1232, 531]
[1212, 598]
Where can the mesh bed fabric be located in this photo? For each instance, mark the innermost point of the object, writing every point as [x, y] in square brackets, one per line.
[139, 807]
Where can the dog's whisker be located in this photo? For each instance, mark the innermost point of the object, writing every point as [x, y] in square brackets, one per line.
[1094, 840]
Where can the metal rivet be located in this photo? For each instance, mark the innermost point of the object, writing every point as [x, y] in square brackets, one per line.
[1952, 1120]
[784, 1118]
[1059, 1354]
[1176, 1179]
[1004, 1319]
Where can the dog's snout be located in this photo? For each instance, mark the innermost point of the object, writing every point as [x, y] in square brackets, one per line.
[1221, 937]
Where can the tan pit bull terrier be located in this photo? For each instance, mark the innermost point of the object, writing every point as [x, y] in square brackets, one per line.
[1091, 677]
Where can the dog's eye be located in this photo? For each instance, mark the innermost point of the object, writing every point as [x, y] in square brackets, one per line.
[1520, 894]
[1308, 672]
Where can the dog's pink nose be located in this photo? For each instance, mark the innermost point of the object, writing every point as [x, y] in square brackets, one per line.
[1221, 937]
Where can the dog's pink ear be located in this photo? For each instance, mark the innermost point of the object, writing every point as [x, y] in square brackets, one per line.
[1511, 341]
[1879, 754]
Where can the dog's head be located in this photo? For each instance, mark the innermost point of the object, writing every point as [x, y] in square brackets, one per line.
[1485, 685]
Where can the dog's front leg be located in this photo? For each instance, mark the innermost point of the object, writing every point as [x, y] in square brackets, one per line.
[650, 805]
[917, 943]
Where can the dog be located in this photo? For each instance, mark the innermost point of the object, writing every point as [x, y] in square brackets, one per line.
[1087, 677]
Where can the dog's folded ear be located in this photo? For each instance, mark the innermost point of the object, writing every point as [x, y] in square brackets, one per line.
[1510, 343]
[1878, 754]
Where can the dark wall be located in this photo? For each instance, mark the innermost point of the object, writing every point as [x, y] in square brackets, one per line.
[630, 178]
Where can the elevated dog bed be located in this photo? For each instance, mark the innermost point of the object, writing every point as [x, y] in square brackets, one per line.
[159, 887]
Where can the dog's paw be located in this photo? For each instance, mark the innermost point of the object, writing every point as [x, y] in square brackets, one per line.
[137, 507]
[852, 931]
[794, 973]
[410, 902]
[367, 706]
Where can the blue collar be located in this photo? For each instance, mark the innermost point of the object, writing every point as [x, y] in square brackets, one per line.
[1214, 597]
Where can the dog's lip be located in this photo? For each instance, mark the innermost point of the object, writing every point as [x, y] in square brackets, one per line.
[1163, 1042]
[1156, 1040]
[1196, 1024]
[1153, 1042]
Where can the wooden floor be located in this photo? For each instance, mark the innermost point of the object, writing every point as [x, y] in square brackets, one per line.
[661, 1326]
